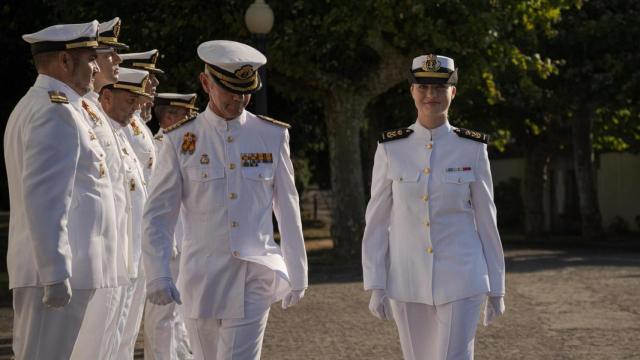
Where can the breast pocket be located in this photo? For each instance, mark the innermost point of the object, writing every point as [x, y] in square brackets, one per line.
[258, 181]
[459, 177]
[406, 184]
[204, 187]
[457, 191]
[262, 172]
[204, 173]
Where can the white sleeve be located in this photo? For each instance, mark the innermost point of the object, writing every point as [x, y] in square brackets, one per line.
[161, 213]
[50, 160]
[375, 243]
[287, 210]
[485, 214]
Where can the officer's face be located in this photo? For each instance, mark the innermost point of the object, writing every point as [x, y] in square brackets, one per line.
[225, 104]
[82, 69]
[153, 84]
[432, 99]
[171, 115]
[123, 105]
[108, 61]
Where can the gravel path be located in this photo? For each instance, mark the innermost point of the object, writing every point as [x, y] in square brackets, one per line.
[561, 304]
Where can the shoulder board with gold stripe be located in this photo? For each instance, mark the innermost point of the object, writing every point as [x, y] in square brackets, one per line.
[274, 121]
[58, 97]
[473, 135]
[178, 124]
[395, 134]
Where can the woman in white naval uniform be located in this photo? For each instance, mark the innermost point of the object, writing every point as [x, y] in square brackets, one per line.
[431, 252]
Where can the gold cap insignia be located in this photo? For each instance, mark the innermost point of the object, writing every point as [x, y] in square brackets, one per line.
[154, 58]
[116, 29]
[245, 72]
[431, 63]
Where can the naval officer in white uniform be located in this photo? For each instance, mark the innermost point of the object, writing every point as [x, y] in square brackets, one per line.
[99, 326]
[62, 230]
[119, 102]
[431, 252]
[227, 170]
[139, 134]
[165, 335]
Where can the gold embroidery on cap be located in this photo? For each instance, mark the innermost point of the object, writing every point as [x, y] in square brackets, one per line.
[431, 63]
[245, 72]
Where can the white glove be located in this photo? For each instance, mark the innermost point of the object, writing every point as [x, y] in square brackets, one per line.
[57, 295]
[161, 291]
[292, 298]
[493, 308]
[379, 305]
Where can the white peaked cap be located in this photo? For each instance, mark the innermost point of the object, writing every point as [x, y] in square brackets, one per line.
[63, 37]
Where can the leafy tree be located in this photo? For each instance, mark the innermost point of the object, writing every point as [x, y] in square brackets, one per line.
[598, 85]
[347, 54]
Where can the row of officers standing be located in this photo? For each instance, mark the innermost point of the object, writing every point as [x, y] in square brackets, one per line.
[111, 225]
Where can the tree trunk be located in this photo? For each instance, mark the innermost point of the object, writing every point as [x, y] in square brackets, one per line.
[535, 171]
[343, 114]
[583, 159]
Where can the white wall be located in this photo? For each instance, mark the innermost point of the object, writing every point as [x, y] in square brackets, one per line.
[618, 187]
[618, 184]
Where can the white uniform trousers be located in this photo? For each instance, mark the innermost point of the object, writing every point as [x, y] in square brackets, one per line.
[99, 325]
[237, 339]
[163, 327]
[130, 319]
[442, 332]
[41, 332]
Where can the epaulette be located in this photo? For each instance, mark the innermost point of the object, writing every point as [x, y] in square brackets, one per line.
[473, 135]
[395, 134]
[178, 124]
[58, 97]
[274, 121]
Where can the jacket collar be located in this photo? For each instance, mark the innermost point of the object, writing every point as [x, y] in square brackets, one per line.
[223, 124]
[431, 134]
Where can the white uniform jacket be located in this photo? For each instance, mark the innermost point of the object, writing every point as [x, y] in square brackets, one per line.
[115, 160]
[141, 140]
[431, 235]
[63, 222]
[137, 195]
[229, 177]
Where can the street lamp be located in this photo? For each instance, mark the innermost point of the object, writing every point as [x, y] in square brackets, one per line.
[259, 21]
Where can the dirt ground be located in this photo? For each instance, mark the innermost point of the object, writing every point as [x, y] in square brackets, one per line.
[561, 304]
